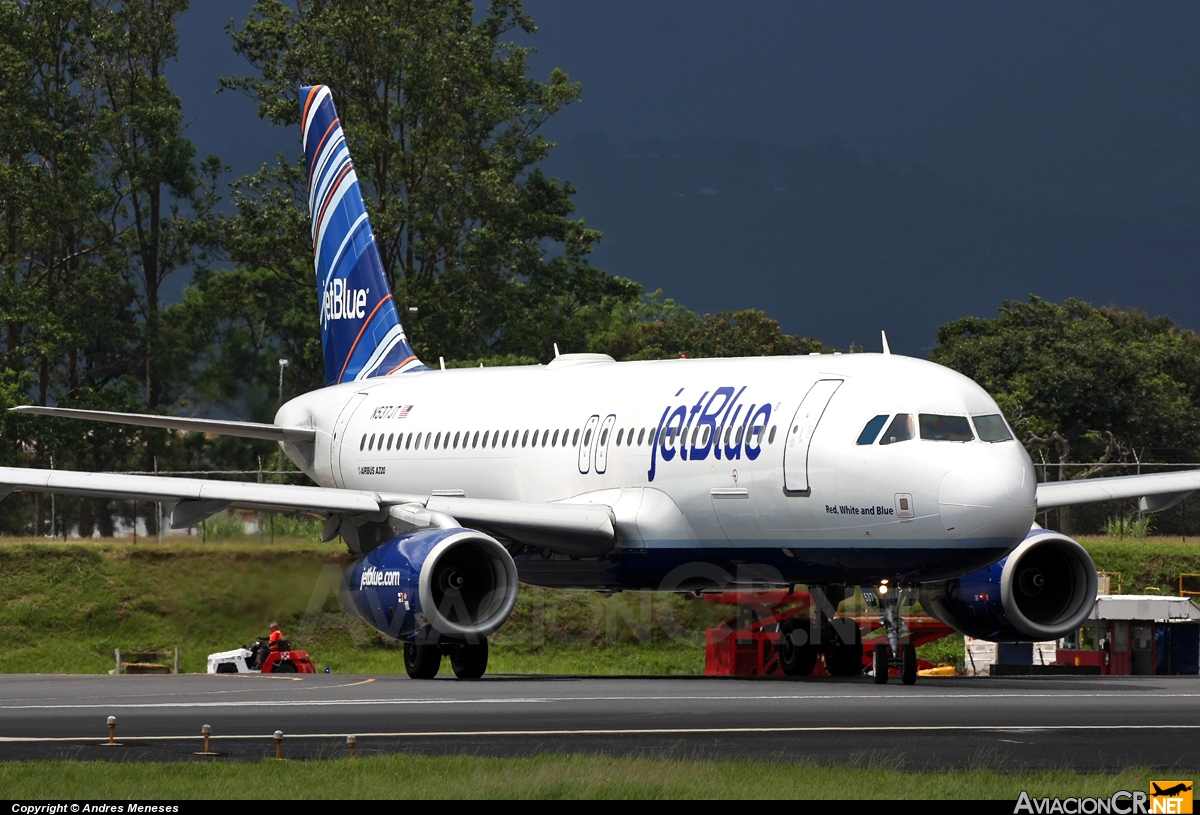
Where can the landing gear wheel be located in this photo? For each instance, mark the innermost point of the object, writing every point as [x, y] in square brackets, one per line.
[422, 661]
[908, 672]
[844, 655]
[469, 661]
[795, 660]
[879, 662]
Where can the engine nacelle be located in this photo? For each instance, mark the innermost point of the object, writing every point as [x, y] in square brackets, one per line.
[459, 582]
[1045, 588]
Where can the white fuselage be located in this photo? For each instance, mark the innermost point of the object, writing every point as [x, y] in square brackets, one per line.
[786, 484]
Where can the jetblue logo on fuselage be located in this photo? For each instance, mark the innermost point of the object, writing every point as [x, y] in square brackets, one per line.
[340, 302]
[720, 423]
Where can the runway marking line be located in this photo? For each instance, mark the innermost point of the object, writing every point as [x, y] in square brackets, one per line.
[217, 693]
[666, 731]
[541, 700]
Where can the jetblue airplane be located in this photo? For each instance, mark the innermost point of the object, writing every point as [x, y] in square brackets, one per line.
[451, 486]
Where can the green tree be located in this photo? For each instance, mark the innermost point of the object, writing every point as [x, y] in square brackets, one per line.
[1084, 385]
[660, 329]
[443, 123]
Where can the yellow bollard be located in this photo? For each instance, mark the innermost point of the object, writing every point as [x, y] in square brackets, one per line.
[278, 745]
[112, 729]
[350, 743]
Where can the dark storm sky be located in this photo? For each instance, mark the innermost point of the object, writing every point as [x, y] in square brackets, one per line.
[851, 167]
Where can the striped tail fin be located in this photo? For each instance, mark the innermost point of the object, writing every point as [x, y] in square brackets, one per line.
[360, 329]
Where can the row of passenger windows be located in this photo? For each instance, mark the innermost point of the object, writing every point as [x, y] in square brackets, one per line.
[444, 441]
[935, 427]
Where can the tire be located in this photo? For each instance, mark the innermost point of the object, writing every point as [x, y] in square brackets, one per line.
[226, 668]
[422, 661]
[284, 668]
[845, 658]
[908, 673]
[795, 660]
[469, 661]
[879, 663]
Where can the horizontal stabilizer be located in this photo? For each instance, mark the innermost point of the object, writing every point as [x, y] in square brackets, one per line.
[218, 427]
[1160, 490]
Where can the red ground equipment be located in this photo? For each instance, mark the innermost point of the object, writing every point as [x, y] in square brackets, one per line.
[751, 648]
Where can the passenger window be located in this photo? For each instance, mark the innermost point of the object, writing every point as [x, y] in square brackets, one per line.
[371, 443]
[992, 427]
[620, 435]
[525, 438]
[427, 438]
[587, 438]
[475, 440]
[641, 435]
[495, 437]
[545, 436]
[738, 440]
[437, 440]
[554, 441]
[870, 431]
[771, 437]
[604, 438]
[575, 438]
[935, 427]
[408, 443]
[901, 429]
[505, 442]
[485, 438]
[362, 444]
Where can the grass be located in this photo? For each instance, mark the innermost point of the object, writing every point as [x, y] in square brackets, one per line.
[64, 607]
[546, 776]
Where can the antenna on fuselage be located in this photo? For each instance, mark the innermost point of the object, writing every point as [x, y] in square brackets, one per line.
[886, 349]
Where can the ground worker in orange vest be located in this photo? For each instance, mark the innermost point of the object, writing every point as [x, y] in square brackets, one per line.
[276, 637]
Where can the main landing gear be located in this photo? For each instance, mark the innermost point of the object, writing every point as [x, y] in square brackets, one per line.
[802, 639]
[893, 653]
[424, 660]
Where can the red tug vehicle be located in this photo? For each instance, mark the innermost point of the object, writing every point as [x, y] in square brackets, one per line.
[752, 649]
[283, 660]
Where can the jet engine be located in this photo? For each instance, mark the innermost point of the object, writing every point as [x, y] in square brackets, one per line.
[459, 582]
[1043, 589]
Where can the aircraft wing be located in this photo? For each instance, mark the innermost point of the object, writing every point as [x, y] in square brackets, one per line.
[219, 427]
[578, 529]
[1156, 491]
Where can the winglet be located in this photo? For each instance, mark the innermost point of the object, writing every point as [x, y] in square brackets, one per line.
[360, 329]
[886, 348]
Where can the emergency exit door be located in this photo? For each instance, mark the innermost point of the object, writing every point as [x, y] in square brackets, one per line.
[800, 434]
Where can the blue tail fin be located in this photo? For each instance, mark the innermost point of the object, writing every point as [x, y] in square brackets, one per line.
[360, 330]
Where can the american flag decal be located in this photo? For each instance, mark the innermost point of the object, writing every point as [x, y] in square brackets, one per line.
[403, 413]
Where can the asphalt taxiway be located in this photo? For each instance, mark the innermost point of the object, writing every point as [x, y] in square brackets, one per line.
[1087, 723]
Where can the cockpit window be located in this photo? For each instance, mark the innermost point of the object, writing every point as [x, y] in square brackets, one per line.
[992, 427]
[901, 429]
[871, 431]
[935, 427]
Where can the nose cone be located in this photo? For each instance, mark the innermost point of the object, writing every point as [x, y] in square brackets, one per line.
[992, 498]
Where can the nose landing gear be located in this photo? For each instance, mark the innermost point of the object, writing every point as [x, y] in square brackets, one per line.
[897, 652]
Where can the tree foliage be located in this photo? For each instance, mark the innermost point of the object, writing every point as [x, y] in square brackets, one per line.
[1083, 384]
[443, 122]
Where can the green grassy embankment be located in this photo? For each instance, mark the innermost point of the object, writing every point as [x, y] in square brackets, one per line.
[413, 777]
[64, 607]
